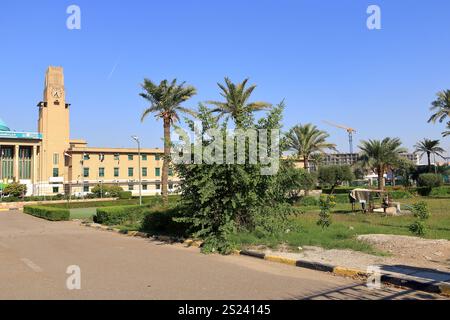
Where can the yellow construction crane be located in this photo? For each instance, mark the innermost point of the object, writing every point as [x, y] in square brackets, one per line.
[349, 130]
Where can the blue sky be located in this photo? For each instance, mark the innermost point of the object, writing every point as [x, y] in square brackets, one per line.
[317, 55]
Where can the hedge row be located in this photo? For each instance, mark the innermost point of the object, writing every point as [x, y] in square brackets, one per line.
[49, 213]
[120, 215]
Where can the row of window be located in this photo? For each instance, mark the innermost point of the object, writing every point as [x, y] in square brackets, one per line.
[101, 157]
[130, 187]
[101, 172]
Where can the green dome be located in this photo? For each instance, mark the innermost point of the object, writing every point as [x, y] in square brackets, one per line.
[3, 126]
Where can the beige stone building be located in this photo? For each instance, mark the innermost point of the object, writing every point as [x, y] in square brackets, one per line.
[49, 162]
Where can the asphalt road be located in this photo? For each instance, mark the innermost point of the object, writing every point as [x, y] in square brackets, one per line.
[35, 255]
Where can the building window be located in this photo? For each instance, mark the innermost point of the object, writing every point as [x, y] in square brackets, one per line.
[130, 157]
[157, 157]
[55, 159]
[158, 186]
[117, 157]
[144, 187]
[101, 172]
[130, 172]
[86, 189]
[86, 172]
[101, 157]
[55, 189]
[130, 187]
[144, 172]
[55, 172]
[144, 157]
[157, 172]
[170, 172]
[86, 156]
[170, 185]
[116, 172]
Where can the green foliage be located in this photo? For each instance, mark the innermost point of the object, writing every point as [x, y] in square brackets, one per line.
[120, 215]
[430, 180]
[161, 220]
[309, 201]
[333, 176]
[443, 191]
[125, 195]
[112, 191]
[292, 180]
[49, 213]
[220, 199]
[326, 203]
[15, 189]
[421, 213]
[338, 190]
[400, 194]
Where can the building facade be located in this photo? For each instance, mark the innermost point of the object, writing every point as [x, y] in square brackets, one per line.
[49, 162]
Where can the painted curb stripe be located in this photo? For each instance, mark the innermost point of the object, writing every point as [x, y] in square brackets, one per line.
[445, 289]
[349, 272]
[288, 261]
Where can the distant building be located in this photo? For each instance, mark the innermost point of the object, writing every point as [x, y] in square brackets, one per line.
[49, 162]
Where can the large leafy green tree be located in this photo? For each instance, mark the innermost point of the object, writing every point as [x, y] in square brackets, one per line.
[381, 156]
[165, 103]
[306, 140]
[429, 147]
[236, 104]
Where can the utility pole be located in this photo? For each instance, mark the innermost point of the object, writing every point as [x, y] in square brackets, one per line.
[136, 138]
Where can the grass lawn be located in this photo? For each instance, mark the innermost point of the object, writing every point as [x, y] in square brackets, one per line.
[347, 226]
[83, 213]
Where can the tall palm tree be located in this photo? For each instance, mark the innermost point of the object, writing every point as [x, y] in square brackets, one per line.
[447, 133]
[441, 106]
[237, 103]
[165, 102]
[306, 140]
[429, 147]
[381, 156]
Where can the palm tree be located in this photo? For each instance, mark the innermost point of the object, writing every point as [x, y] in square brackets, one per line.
[165, 103]
[306, 140]
[429, 147]
[381, 156]
[441, 106]
[236, 102]
[447, 133]
[317, 159]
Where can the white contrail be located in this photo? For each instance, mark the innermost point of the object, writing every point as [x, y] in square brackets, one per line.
[113, 69]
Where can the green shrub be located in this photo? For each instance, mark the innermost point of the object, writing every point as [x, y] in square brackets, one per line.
[309, 201]
[400, 194]
[112, 191]
[423, 191]
[421, 213]
[430, 180]
[125, 195]
[49, 213]
[15, 189]
[338, 190]
[341, 198]
[119, 215]
[443, 191]
[161, 221]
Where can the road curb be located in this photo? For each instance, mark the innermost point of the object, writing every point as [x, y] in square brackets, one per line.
[401, 281]
[140, 234]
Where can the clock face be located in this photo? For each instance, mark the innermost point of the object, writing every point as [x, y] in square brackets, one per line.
[56, 93]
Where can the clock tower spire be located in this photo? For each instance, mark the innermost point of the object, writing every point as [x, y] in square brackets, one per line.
[54, 126]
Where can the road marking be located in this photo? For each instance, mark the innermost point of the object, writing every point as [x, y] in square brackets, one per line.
[31, 265]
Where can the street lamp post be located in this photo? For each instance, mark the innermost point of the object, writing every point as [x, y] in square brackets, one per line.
[136, 138]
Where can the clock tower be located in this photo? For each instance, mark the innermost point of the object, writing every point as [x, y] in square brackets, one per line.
[54, 126]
